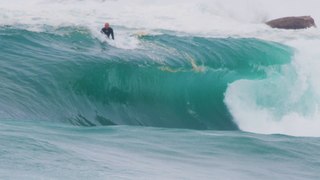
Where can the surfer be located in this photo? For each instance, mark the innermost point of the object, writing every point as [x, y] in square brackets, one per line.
[107, 30]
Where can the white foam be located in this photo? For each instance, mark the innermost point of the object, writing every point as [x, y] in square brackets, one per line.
[286, 102]
[201, 17]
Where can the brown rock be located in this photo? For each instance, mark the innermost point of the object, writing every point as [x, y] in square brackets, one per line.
[300, 22]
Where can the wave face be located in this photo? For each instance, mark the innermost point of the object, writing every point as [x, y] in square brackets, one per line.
[168, 81]
[173, 64]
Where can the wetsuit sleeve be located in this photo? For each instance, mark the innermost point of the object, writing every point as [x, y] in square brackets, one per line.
[112, 35]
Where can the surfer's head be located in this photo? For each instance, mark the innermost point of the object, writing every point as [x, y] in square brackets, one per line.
[106, 25]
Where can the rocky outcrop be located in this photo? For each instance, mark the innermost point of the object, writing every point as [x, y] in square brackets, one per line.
[300, 22]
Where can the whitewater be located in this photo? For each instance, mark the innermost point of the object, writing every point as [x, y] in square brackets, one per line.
[188, 90]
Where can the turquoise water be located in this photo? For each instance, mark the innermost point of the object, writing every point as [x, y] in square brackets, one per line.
[170, 81]
[32, 150]
[73, 107]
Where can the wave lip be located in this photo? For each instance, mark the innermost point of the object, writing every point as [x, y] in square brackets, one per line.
[286, 102]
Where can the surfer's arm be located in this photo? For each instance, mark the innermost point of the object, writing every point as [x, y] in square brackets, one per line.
[112, 35]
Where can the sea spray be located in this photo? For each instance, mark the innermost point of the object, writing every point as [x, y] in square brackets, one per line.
[286, 102]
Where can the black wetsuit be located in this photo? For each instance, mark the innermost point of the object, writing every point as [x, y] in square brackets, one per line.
[108, 32]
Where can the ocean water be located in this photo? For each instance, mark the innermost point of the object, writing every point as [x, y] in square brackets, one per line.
[188, 90]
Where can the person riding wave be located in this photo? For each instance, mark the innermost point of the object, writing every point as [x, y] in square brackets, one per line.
[107, 30]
